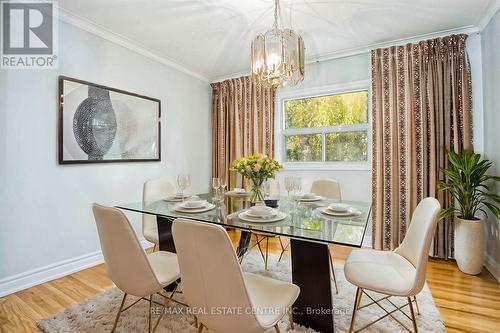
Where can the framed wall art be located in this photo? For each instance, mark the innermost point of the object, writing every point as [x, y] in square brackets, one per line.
[99, 124]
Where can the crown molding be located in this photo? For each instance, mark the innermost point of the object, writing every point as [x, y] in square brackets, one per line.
[488, 14]
[93, 28]
[367, 48]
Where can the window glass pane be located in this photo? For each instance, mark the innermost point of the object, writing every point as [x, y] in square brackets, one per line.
[304, 148]
[347, 146]
[331, 110]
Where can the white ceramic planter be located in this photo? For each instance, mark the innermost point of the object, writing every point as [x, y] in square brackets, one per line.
[469, 245]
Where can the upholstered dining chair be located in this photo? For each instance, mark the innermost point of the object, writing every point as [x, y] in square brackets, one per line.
[131, 269]
[328, 188]
[154, 189]
[395, 273]
[212, 279]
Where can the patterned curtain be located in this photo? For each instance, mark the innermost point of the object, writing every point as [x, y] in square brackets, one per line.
[421, 108]
[242, 124]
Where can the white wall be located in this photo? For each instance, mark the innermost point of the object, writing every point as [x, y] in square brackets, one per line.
[491, 93]
[45, 208]
[356, 184]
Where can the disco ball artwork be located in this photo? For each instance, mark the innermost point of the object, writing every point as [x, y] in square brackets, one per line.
[103, 124]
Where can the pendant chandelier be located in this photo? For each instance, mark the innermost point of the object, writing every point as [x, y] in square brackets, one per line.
[278, 56]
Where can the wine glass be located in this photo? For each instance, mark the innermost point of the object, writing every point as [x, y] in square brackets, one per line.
[216, 186]
[183, 181]
[266, 186]
[297, 184]
[289, 184]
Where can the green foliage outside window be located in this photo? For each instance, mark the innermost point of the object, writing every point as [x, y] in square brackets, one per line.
[327, 112]
[331, 110]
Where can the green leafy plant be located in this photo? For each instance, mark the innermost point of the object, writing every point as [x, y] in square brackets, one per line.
[467, 182]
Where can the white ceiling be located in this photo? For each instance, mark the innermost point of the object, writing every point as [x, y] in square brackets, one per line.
[212, 37]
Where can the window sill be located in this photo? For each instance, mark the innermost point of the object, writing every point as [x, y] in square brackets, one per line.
[322, 166]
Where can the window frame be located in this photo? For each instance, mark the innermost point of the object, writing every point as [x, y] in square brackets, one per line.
[281, 132]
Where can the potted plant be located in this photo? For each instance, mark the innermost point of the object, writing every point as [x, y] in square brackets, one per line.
[257, 168]
[466, 180]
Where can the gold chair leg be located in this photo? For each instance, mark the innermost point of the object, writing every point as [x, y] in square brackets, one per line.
[283, 248]
[333, 273]
[276, 327]
[119, 312]
[200, 329]
[260, 249]
[416, 304]
[357, 300]
[414, 321]
[290, 315]
[195, 321]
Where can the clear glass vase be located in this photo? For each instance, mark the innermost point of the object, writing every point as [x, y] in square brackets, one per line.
[257, 191]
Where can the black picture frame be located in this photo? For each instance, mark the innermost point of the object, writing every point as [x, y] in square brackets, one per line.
[61, 158]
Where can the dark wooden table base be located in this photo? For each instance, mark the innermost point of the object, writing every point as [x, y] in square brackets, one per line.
[311, 272]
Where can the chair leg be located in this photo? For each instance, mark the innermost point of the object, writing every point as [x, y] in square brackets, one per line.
[260, 248]
[416, 304]
[290, 316]
[154, 247]
[357, 300]
[414, 321]
[276, 327]
[119, 312]
[267, 252]
[283, 248]
[333, 273]
[195, 321]
[200, 328]
[149, 314]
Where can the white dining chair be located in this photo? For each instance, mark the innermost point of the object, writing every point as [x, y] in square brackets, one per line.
[395, 273]
[213, 279]
[129, 267]
[154, 190]
[330, 189]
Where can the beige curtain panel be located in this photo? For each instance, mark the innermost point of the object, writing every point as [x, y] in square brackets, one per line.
[421, 108]
[242, 124]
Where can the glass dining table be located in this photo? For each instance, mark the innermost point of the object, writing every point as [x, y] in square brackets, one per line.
[310, 232]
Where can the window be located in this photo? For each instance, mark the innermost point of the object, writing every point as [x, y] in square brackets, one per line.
[330, 128]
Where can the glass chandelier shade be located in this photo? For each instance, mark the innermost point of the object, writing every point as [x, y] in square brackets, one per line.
[278, 56]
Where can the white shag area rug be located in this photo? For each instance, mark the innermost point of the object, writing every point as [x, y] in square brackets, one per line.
[97, 313]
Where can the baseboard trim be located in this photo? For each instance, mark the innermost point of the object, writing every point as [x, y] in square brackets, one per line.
[21, 281]
[492, 266]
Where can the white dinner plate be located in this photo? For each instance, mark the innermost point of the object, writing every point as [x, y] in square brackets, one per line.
[278, 217]
[201, 205]
[352, 212]
[316, 198]
[175, 198]
[208, 207]
[238, 194]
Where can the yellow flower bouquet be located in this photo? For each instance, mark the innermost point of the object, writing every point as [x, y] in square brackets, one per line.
[257, 168]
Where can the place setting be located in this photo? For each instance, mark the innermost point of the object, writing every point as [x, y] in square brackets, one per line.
[238, 192]
[183, 182]
[262, 213]
[308, 197]
[339, 210]
[194, 204]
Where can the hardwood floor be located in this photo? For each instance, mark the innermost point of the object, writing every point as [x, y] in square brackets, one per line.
[467, 303]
